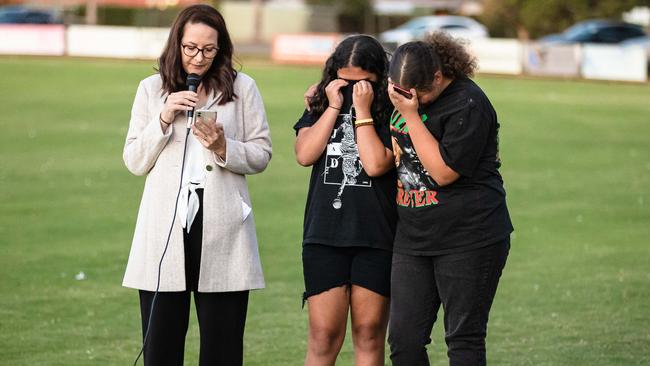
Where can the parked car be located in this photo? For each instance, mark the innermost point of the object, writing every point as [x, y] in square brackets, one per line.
[596, 31]
[643, 42]
[638, 41]
[417, 28]
[25, 15]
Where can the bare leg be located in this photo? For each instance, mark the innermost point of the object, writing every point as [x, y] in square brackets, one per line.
[328, 315]
[369, 321]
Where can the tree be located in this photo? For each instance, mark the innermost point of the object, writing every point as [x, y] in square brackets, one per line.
[535, 18]
[91, 12]
[352, 13]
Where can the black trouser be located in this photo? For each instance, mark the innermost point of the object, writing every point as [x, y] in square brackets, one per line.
[464, 283]
[221, 315]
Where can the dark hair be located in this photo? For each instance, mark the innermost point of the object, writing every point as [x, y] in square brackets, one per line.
[414, 63]
[221, 74]
[366, 53]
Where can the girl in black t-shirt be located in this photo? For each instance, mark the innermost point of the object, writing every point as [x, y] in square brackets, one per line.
[350, 214]
[453, 234]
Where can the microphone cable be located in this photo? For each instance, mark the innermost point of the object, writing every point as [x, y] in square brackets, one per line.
[169, 234]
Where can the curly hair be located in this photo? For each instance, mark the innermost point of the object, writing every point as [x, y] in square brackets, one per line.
[360, 51]
[221, 75]
[414, 63]
[456, 61]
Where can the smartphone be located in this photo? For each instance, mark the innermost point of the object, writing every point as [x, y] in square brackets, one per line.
[206, 115]
[403, 92]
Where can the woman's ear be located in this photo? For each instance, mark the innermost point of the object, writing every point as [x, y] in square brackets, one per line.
[437, 77]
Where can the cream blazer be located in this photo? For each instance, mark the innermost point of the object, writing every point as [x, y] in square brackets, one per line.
[229, 258]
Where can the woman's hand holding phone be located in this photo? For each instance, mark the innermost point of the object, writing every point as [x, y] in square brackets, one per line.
[402, 103]
[209, 132]
[403, 92]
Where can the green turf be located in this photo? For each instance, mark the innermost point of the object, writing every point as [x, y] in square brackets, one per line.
[576, 289]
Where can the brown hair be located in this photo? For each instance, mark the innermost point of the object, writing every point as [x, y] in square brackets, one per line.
[221, 74]
[414, 64]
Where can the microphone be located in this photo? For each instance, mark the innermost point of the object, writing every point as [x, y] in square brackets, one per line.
[192, 82]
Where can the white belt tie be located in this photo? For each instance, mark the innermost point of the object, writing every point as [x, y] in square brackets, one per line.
[188, 204]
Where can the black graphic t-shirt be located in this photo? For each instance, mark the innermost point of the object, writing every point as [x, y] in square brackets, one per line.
[470, 212]
[345, 207]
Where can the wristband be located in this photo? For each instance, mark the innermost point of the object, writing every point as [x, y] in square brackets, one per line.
[363, 124]
[364, 121]
[330, 106]
[163, 121]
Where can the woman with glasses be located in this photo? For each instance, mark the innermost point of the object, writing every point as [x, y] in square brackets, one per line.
[195, 231]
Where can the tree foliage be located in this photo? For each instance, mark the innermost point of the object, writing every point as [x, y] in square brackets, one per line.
[534, 18]
[352, 13]
[346, 7]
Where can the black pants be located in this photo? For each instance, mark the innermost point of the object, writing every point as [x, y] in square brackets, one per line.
[221, 316]
[464, 283]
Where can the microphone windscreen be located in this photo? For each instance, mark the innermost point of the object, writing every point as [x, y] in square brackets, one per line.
[193, 81]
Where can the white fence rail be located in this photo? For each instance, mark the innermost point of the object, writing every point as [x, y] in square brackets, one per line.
[120, 42]
[496, 56]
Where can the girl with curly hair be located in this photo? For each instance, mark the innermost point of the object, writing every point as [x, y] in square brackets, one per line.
[350, 213]
[453, 234]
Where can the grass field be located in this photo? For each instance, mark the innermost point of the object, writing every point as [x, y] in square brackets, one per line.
[576, 289]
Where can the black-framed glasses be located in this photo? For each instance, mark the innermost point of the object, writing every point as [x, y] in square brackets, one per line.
[191, 51]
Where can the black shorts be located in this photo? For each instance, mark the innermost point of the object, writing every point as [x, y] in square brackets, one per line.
[326, 267]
